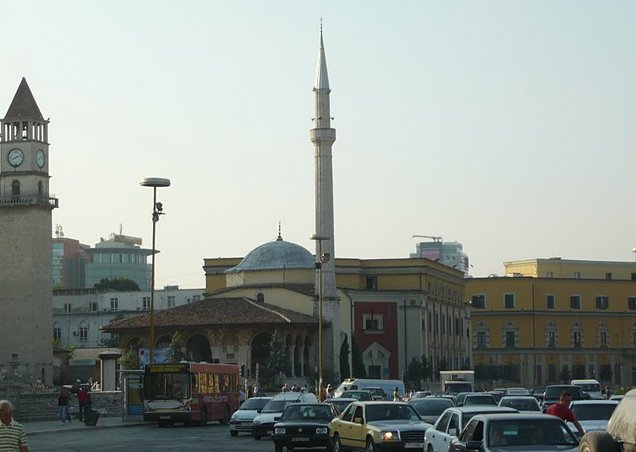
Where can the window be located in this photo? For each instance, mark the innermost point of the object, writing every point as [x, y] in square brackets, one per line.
[577, 275]
[509, 300]
[372, 283]
[575, 302]
[15, 188]
[481, 339]
[550, 301]
[57, 333]
[114, 304]
[608, 275]
[40, 189]
[67, 308]
[145, 303]
[633, 276]
[551, 339]
[196, 297]
[602, 302]
[171, 300]
[83, 333]
[510, 339]
[93, 306]
[551, 335]
[602, 339]
[372, 322]
[631, 303]
[550, 274]
[478, 301]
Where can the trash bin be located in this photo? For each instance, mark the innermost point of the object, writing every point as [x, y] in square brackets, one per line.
[90, 417]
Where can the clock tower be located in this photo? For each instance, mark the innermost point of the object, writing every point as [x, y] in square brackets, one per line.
[26, 287]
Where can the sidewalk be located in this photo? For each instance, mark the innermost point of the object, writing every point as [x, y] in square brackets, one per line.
[39, 427]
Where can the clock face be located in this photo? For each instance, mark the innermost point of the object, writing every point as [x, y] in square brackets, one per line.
[40, 158]
[15, 157]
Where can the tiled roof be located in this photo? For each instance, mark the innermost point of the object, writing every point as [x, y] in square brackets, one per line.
[305, 289]
[215, 311]
[24, 104]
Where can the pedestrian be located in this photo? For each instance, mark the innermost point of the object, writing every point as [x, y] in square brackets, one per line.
[12, 434]
[607, 393]
[62, 404]
[84, 399]
[562, 410]
[396, 395]
[250, 392]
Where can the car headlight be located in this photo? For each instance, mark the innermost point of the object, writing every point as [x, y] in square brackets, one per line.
[279, 430]
[322, 431]
[389, 436]
[257, 422]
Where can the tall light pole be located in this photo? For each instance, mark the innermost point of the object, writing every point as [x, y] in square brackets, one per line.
[320, 260]
[157, 210]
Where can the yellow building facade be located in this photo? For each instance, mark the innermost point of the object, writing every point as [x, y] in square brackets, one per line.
[553, 321]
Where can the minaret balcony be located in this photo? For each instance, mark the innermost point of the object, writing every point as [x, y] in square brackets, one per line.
[29, 200]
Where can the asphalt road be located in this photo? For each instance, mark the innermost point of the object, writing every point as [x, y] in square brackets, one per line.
[212, 437]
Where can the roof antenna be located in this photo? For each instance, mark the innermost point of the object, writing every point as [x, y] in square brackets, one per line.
[280, 237]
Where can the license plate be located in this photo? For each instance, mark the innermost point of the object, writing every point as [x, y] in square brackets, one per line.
[246, 424]
[164, 417]
[414, 445]
[269, 432]
[300, 439]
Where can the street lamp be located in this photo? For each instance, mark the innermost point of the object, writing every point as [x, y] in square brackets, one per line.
[157, 210]
[320, 260]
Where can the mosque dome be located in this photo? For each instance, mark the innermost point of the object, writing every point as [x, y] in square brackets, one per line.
[275, 255]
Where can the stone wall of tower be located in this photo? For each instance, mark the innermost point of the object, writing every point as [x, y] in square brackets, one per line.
[26, 296]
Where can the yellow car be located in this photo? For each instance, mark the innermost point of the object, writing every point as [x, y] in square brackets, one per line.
[375, 426]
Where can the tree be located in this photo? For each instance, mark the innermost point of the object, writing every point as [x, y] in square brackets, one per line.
[344, 358]
[278, 360]
[118, 284]
[414, 373]
[427, 369]
[175, 353]
[109, 341]
[356, 357]
[129, 360]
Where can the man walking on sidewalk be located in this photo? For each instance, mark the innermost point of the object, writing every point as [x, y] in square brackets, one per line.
[12, 434]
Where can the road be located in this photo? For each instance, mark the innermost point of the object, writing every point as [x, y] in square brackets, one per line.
[212, 437]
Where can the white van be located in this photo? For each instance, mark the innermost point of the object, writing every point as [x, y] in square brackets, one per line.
[592, 387]
[388, 386]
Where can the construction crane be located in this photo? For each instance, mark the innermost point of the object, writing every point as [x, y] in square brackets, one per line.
[435, 239]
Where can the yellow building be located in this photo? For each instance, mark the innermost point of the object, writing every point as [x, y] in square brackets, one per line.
[551, 320]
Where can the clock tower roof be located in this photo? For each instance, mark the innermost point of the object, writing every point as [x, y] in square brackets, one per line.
[24, 104]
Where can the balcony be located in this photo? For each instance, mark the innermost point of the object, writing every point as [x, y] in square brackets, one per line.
[29, 200]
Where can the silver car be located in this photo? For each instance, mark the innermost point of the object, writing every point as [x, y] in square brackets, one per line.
[593, 415]
[243, 419]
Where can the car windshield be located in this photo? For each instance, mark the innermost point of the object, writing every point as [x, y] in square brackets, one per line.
[391, 412]
[526, 404]
[359, 395]
[526, 432]
[593, 411]
[479, 400]
[276, 406]
[295, 412]
[430, 406]
[554, 392]
[254, 404]
[589, 387]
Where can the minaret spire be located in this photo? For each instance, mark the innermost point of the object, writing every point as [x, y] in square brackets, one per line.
[323, 137]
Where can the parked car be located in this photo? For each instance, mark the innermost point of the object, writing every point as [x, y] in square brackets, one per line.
[451, 422]
[479, 398]
[378, 425]
[304, 425]
[525, 404]
[553, 393]
[593, 415]
[431, 408]
[340, 403]
[264, 423]
[621, 430]
[243, 419]
[515, 432]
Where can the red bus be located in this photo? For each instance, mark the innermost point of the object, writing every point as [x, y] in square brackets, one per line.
[190, 392]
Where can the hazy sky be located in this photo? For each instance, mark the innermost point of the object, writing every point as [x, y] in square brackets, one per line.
[509, 126]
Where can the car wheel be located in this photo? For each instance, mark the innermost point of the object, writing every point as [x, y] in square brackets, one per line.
[204, 417]
[335, 444]
[234, 432]
[370, 445]
[257, 437]
[598, 442]
[278, 447]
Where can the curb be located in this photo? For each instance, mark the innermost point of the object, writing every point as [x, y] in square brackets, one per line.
[80, 426]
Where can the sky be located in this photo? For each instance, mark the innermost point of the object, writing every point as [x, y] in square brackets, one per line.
[508, 126]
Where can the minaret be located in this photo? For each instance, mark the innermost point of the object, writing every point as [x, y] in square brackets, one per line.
[323, 137]
[26, 287]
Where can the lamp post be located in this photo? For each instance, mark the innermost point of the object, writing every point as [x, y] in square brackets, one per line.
[320, 260]
[157, 210]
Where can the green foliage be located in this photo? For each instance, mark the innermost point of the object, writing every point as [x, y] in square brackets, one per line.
[442, 364]
[414, 374]
[175, 353]
[278, 360]
[118, 284]
[129, 360]
[344, 359]
[358, 365]
[427, 369]
[110, 341]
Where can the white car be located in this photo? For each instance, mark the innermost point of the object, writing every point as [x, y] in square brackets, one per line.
[525, 404]
[452, 421]
[593, 415]
[243, 419]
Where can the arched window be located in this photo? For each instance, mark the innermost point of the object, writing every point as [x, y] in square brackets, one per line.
[510, 337]
[602, 335]
[15, 188]
[481, 338]
[260, 297]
